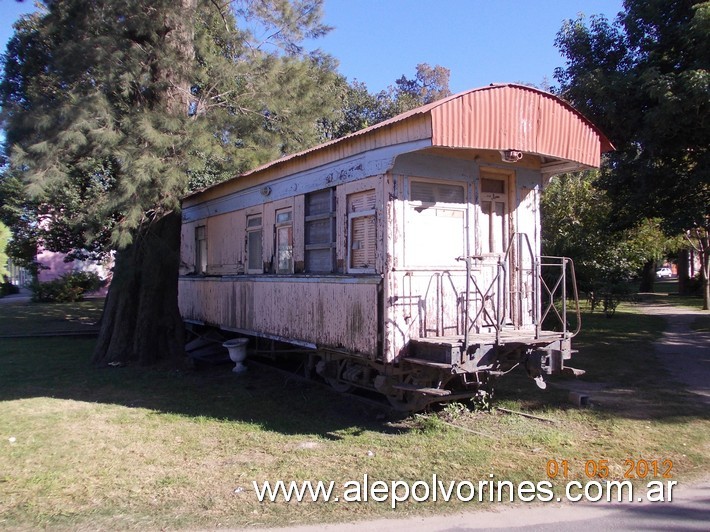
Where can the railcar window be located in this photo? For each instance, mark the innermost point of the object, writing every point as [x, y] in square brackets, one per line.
[494, 216]
[284, 241]
[362, 232]
[492, 186]
[320, 231]
[254, 245]
[433, 193]
[201, 249]
[435, 224]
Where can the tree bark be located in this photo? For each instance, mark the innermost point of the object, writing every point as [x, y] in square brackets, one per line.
[648, 276]
[141, 321]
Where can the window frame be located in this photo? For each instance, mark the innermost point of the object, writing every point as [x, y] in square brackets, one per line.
[488, 242]
[331, 245]
[351, 217]
[200, 252]
[250, 232]
[458, 210]
[440, 204]
[277, 227]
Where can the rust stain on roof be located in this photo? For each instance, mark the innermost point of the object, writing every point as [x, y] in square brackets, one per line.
[496, 117]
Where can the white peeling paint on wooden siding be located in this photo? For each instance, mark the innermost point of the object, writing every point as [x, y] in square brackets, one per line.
[329, 312]
[187, 248]
[528, 222]
[243, 193]
[426, 304]
[424, 297]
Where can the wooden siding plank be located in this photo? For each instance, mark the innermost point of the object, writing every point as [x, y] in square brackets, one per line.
[187, 248]
[299, 237]
[328, 313]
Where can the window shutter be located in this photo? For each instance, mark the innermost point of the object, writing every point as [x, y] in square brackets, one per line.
[320, 231]
[362, 254]
[428, 192]
[362, 233]
[362, 201]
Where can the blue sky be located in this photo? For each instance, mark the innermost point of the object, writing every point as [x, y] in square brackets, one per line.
[480, 41]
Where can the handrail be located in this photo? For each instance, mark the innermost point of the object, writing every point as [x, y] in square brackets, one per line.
[560, 283]
[563, 263]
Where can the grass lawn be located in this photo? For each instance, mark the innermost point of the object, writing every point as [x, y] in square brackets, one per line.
[26, 318]
[132, 448]
[666, 292]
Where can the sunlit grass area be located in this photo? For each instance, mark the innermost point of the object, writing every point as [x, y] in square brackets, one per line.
[666, 291]
[130, 448]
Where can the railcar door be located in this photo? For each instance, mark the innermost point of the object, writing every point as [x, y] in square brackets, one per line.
[494, 237]
[434, 238]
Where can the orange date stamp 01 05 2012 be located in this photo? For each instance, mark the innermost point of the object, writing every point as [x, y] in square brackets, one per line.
[632, 469]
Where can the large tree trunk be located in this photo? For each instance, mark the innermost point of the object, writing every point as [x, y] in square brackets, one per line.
[141, 321]
[648, 276]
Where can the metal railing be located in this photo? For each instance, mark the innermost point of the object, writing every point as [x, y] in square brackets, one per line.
[555, 289]
[552, 280]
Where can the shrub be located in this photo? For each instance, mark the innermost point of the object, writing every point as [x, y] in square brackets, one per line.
[68, 288]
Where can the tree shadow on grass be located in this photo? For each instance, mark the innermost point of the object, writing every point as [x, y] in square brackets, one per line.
[60, 368]
[624, 373]
[650, 396]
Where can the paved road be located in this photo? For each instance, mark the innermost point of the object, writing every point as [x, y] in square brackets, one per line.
[689, 510]
[24, 296]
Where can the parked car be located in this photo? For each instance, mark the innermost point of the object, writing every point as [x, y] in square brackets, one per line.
[664, 273]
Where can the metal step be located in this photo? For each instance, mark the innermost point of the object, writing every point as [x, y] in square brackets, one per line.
[440, 349]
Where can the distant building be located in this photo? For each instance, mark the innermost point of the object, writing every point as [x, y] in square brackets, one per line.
[53, 265]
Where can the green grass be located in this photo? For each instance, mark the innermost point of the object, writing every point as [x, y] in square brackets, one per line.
[609, 345]
[666, 292]
[135, 448]
[27, 318]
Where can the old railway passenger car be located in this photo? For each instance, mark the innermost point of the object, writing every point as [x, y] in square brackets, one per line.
[405, 256]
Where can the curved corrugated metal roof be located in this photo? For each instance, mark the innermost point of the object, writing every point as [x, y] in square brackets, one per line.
[516, 117]
[503, 116]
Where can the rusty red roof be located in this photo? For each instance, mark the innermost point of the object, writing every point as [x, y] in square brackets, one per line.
[496, 117]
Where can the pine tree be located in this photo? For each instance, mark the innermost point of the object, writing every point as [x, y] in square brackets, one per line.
[115, 109]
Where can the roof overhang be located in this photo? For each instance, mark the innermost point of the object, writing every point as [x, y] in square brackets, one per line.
[499, 117]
